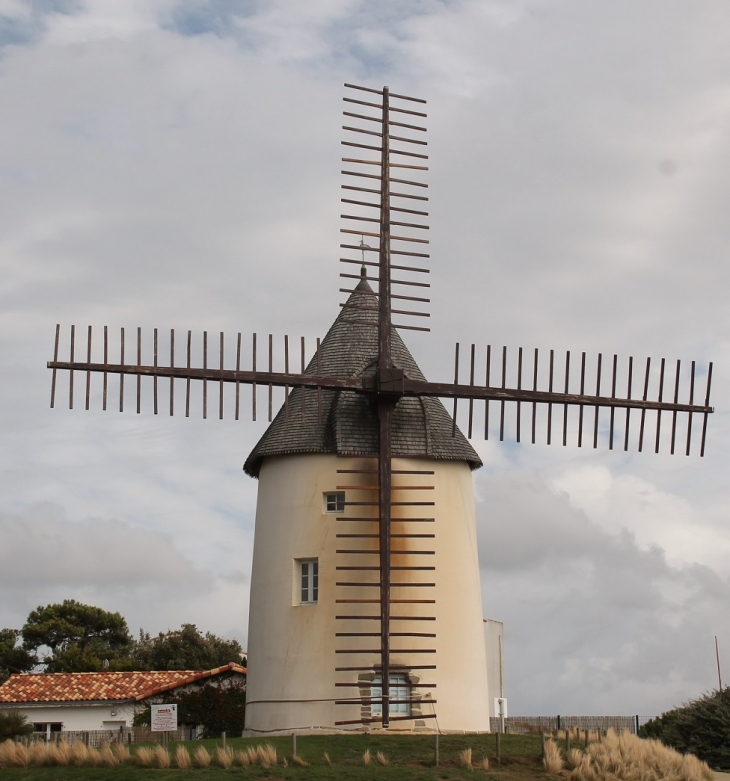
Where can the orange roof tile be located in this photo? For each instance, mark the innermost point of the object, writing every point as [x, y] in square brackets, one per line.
[94, 687]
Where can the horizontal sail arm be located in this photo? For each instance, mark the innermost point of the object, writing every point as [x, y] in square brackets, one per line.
[279, 379]
[455, 391]
[368, 385]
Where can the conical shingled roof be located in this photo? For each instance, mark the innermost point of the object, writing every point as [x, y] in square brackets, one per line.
[421, 425]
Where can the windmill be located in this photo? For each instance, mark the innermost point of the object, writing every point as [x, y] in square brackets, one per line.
[363, 391]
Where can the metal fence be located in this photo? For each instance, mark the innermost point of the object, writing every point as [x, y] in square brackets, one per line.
[99, 737]
[525, 725]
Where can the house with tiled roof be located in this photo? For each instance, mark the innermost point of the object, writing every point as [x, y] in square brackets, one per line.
[56, 702]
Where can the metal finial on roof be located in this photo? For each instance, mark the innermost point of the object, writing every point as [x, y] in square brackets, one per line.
[363, 246]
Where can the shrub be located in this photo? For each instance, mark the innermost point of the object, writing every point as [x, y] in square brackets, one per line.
[655, 728]
[13, 723]
[217, 709]
[701, 727]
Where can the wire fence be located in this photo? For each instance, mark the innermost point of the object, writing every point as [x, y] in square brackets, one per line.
[99, 737]
[525, 725]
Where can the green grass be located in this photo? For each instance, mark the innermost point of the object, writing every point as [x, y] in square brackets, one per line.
[410, 757]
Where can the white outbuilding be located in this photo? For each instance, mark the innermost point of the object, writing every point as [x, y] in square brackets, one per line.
[92, 701]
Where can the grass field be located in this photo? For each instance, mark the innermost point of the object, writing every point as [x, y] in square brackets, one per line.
[409, 757]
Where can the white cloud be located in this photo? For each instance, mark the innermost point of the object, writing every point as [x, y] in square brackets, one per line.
[45, 557]
[176, 165]
[592, 620]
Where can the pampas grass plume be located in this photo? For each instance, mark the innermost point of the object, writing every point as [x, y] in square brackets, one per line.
[107, 757]
[242, 758]
[465, 758]
[381, 758]
[144, 756]
[201, 757]
[224, 757]
[79, 753]
[297, 760]
[162, 756]
[62, 753]
[366, 757]
[484, 764]
[182, 757]
[552, 761]
[573, 758]
[121, 752]
[327, 759]
[266, 755]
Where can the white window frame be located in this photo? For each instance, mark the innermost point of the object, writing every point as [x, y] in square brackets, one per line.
[334, 502]
[400, 689]
[308, 581]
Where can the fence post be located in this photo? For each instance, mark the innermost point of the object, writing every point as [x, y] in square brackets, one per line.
[294, 744]
[558, 721]
[436, 749]
[637, 725]
[542, 743]
[499, 748]
[223, 736]
[567, 740]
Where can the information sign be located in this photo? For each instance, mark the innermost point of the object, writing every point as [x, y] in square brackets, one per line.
[164, 718]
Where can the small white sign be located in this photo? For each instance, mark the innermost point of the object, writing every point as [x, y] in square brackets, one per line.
[500, 707]
[164, 718]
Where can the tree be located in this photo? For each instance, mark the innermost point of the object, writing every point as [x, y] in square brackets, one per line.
[184, 649]
[701, 727]
[218, 709]
[13, 657]
[80, 637]
[13, 723]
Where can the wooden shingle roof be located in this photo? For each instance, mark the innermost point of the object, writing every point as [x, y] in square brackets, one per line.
[349, 423]
[102, 686]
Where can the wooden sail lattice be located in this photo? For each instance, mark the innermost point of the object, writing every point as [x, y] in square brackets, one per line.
[384, 207]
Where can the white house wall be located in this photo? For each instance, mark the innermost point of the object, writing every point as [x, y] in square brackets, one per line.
[78, 717]
[291, 652]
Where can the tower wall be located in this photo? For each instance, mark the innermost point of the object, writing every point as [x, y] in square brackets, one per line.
[291, 647]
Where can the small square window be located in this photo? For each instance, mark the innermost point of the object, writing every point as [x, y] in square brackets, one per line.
[334, 502]
[308, 581]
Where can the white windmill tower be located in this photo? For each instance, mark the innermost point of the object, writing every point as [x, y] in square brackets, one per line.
[314, 622]
[365, 598]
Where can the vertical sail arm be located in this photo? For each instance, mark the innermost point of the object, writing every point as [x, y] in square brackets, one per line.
[385, 411]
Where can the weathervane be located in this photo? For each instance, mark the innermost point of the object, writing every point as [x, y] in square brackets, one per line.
[376, 185]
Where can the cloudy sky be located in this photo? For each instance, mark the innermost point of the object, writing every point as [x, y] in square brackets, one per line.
[175, 164]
